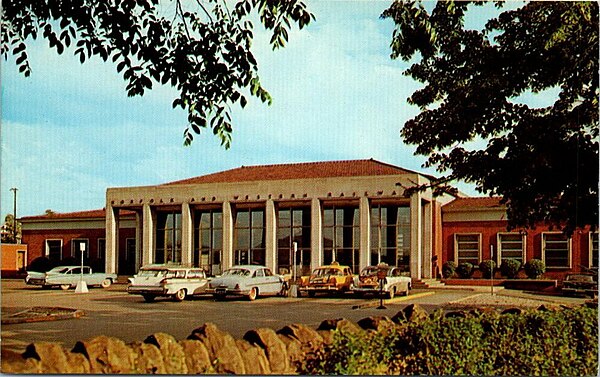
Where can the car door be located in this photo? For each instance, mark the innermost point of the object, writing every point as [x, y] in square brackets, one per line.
[272, 282]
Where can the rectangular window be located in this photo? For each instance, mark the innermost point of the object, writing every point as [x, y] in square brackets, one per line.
[249, 236]
[101, 249]
[341, 236]
[511, 246]
[467, 248]
[556, 250]
[54, 250]
[593, 249]
[390, 236]
[208, 240]
[293, 225]
[78, 245]
[168, 238]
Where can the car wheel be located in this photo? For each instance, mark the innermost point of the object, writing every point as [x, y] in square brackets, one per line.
[253, 294]
[284, 289]
[392, 293]
[106, 283]
[351, 287]
[65, 287]
[219, 296]
[180, 295]
[149, 298]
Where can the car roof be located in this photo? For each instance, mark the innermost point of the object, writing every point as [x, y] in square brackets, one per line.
[169, 267]
[251, 267]
[336, 266]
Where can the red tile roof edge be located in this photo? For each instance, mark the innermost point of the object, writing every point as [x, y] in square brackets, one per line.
[244, 173]
[475, 202]
[87, 214]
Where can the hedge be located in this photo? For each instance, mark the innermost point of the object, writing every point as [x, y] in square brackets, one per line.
[534, 342]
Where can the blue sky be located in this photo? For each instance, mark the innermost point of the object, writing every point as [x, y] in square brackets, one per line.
[69, 131]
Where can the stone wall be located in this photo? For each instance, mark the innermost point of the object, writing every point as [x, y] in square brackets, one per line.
[207, 350]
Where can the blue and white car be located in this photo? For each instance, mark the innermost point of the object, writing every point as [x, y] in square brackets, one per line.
[67, 277]
[250, 281]
[175, 281]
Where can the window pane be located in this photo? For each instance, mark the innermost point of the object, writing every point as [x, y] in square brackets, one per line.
[257, 219]
[242, 220]
[283, 218]
[243, 239]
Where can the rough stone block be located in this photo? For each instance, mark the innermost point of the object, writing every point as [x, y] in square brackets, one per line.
[107, 355]
[196, 357]
[411, 313]
[274, 348]
[14, 363]
[54, 358]
[377, 323]
[341, 324]
[173, 355]
[147, 359]
[255, 359]
[221, 348]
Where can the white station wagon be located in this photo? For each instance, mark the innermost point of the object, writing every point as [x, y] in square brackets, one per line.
[168, 280]
[393, 281]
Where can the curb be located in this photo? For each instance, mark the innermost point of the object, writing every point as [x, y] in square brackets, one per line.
[394, 300]
[41, 314]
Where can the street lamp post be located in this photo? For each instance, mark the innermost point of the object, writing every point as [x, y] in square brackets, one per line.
[14, 190]
[82, 285]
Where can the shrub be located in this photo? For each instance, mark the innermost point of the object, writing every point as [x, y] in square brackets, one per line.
[532, 343]
[40, 264]
[70, 261]
[510, 268]
[487, 268]
[448, 269]
[535, 268]
[464, 270]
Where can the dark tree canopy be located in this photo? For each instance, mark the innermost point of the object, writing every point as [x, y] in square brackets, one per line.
[543, 162]
[200, 47]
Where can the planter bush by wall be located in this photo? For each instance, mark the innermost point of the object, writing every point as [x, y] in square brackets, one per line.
[535, 268]
[464, 270]
[487, 268]
[510, 268]
[448, 269]
[40, 264]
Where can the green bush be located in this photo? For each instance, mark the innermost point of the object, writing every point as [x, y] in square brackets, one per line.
[448, 269]
[510, 268]
[464, 270]
[535, 268]
[487, 268]
[40, 264]
[555, 343]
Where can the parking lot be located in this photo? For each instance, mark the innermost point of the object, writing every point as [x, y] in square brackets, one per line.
[113, 312]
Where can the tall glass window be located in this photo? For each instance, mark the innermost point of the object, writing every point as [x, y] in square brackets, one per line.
[249, 236]
[208, 240]
[593, 249]
[168, 237]
[341, 236]
[390, 236]
[293, 225]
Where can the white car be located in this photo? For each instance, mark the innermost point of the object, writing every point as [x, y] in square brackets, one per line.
[250, 281]
[393, 281]
[69, 276]
[168, 280]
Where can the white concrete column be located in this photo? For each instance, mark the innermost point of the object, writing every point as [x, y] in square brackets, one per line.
[227, 257]
[112, 240]
[365, 234]
[271, 234]
[416, 234]
[148, 234]
[427, 240]
[139, 234]
[316, 234]
[187, 234]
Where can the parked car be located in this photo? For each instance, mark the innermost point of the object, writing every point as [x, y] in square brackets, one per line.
[393, 282]
[173, 281]
[250, 281]
[580, 284]
[331, 278]
[66, 277]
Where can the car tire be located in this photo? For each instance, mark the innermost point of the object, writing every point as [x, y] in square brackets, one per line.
[284, 289]
[65, 287]
[106, 283]
[218, 296]
[180, 295]
[253, 294]
[149, 298]
[351, 287]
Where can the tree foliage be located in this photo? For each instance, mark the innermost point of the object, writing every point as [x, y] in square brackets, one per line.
[8, 230]
[542, 161]
[202, 48]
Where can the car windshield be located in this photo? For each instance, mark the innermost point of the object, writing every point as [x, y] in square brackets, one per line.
[326, 271]
[372, 271]
[237, 272]
[59, 270]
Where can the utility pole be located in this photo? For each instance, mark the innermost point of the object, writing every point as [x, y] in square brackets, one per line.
[14, 190]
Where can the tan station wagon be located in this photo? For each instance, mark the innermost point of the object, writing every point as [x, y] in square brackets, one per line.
[332, 278]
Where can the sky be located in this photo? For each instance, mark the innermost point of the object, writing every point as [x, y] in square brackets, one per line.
[69, 131]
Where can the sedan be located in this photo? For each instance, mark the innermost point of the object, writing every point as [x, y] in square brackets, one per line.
[69, 276]
[250, 281]
[383, 279]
